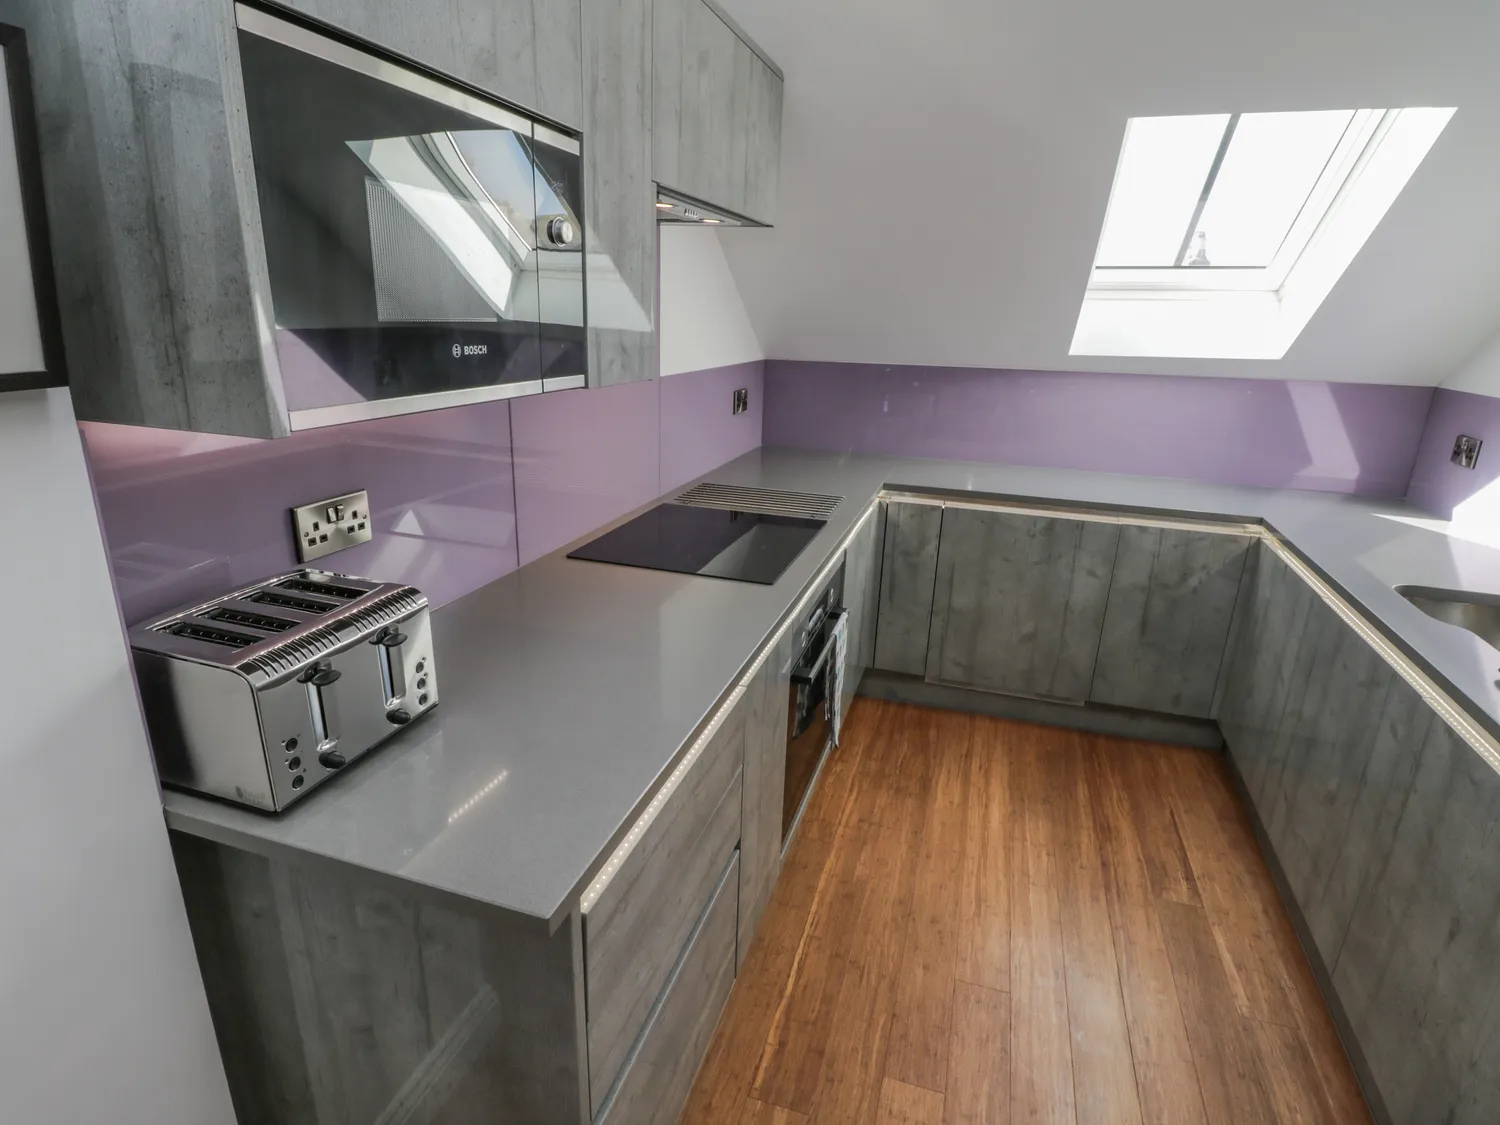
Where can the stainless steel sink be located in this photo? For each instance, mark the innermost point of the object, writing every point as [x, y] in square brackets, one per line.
[1478, 613]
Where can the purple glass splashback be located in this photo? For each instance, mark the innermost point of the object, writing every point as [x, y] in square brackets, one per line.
[699, 429]
[1337, 437]
[584, 458]
[456, 502]
[1439, 486]
[188, 516]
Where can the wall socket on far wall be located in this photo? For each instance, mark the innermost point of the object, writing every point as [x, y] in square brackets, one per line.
[1466, 451]
[326, 526]
[742, 400]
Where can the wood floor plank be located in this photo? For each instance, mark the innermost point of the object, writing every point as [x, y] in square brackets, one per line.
[1246, 917]
[1291, 1076]
[1166, 1077]
[854, 1059]
[791, 1065]
[1069, 860]
[1162, 847]
[759, 1113]
[979, 1061]
[984, 900]
[1225, 1052]
[904, 1104]
[923, 1009]
[1104, 1085]
[1041, 1086]
[759, 992]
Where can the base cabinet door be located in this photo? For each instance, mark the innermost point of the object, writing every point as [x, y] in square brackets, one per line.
[861, 601]
[1171, 602]
[904, 606]
[766, 704]
[1019, 602]
[659, 1074]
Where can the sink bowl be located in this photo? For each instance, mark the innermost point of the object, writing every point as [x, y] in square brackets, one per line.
[1478, 613]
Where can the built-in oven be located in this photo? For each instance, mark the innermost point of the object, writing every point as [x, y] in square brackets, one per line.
[424, 242]
[812, 715]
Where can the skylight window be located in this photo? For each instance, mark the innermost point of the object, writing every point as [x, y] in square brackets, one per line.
[1245, 220]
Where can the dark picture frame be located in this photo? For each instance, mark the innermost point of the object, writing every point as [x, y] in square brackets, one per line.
[34, 216]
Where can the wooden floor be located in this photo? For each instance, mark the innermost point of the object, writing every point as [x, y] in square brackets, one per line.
[982, 921]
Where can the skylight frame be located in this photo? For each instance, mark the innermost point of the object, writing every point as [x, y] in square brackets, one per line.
[1181, 322]
[1365, 132]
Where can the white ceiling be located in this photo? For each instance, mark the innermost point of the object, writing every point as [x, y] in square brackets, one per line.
[946, 165]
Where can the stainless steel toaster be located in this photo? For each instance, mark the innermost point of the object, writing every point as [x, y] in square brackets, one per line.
[260, 696]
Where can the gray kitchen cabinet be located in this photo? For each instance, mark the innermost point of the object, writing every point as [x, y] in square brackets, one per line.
[766, 705]
[490, 43]
[141, 126]
[635, 930]
[659, 1076]
[1019, 601]
[619, 194]
[717, 119]
[908, 571]
[1171, 601]
[1381, 818]
[862, 600]
[145, 146]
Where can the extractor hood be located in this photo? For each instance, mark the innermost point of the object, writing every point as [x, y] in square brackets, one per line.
[674, 208]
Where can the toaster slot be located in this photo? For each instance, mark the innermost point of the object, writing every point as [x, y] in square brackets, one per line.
[262, 621]
[322, 589]
[209, 633]
[289, 601]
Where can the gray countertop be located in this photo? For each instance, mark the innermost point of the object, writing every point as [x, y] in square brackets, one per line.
[568, 687]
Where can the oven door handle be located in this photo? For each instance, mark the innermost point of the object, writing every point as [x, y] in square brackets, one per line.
[810, 674]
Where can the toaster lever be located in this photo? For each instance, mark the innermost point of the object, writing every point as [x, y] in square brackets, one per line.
[387, 644]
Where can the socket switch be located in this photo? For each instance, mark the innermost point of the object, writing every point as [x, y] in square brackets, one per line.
[326, 526]
[742, 400]
[1466, 451]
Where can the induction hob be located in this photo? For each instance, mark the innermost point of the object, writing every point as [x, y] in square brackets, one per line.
[715, 542]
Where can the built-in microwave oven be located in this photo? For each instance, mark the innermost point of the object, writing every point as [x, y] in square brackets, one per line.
[424, 241]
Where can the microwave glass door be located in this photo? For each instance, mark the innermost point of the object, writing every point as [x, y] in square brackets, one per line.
[400, 219]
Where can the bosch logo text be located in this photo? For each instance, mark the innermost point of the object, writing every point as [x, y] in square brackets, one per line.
[461, 350]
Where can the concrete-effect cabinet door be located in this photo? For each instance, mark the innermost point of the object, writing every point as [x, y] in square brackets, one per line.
[907, 570]
[716, 133]
[1019, 602]
[1171, 602]
[766, 704]
[861, 600]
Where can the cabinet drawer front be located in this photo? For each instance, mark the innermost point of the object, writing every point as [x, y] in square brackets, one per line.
[635, 930]
[659, 1075]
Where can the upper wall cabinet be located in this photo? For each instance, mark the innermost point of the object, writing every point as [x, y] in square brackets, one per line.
[717, 133]
[261, 226]
[621, 197]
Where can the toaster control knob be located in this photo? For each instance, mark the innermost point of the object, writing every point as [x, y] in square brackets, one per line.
[400, 716]
[560, 231]
[391, 639]
[331, 760]
[326, 676]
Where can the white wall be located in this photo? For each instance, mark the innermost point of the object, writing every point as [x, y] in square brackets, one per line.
[1481, 374]
[102, 1011]
[703, 319]
[944, 179]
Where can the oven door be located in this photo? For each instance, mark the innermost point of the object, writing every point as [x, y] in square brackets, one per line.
[401, 227]
[809, 717]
